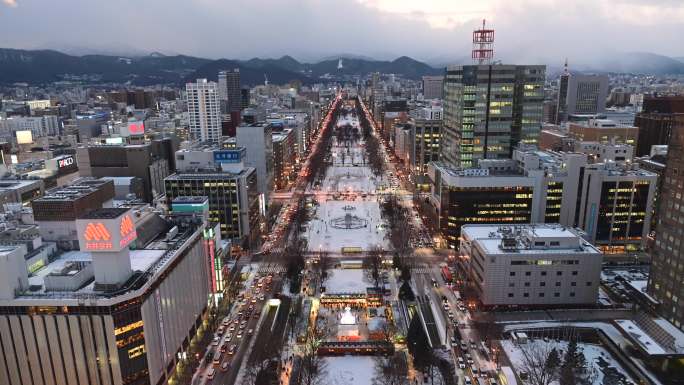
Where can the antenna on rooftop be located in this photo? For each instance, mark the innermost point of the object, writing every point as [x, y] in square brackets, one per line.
[483, 44]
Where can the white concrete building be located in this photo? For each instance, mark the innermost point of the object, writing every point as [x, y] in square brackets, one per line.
[530, 265]
[204, 110]
[257, 139]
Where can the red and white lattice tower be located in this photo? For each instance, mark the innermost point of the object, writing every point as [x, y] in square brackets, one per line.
[483, 45]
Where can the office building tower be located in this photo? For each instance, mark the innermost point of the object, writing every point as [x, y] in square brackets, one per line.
[284, 156]
[230, 91]
[530, 265]
[151, 161]
[656, 120]
[433, 87]
[89, 125]
[204, 111]
[257, 139]
[105, 315]
[233, 199]
[489, 109]
[581, 95]
[428, 134]
[666, 280]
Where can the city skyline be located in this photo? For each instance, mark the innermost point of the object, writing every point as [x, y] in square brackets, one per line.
[586, 31]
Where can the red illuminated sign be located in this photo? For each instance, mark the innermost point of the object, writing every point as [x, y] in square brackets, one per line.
[136, 128]
[127, 230]
[97, 237]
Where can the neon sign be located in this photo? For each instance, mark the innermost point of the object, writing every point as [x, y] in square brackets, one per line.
[106, 234]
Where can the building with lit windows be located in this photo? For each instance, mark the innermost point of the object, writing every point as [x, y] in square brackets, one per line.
[581, 95]
[428, 134]
[105, 315]
[616, 206]
[666, 280]
[204, 110]
[604, 131]
[611, 201]
[489, 109]
[233, 199]
[530, 265]
[284, 157]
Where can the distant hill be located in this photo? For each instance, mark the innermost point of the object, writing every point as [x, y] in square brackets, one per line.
[638, 62]
[47, 66]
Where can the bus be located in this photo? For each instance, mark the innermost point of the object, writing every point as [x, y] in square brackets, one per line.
[351, 250]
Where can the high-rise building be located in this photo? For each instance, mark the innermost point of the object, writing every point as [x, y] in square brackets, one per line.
[530, 265]
[666, 281]
[581, 95]
[204, 110]
[433, 87]
[489, 109]
[284, 156]
[428, 134]
[233, 199]
[655, 121]
[257, 138]
[230, 91]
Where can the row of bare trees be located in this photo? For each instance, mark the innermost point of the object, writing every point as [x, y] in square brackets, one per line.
[397, 217]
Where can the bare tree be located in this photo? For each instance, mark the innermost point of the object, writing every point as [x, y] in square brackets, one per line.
[372, 264]
[392, 370]
[323, 267]
[314, 367]
[541, 363]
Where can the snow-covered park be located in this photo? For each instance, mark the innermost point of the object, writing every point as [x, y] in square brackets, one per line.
[348, 212]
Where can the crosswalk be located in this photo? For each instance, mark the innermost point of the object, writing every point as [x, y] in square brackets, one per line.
[271, 268]
[424, 270]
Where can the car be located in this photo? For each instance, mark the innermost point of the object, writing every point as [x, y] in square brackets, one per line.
[211, 373]
[454, 341]
[221, 329]
[229, 337]
[231, 349]
[262, 297]
[461, 308]
[469, 359]
[473, 369]
[468, 381]
[242, 326]
[223, 348]
[225, 366]
[231, 328]
[256, 315]
[464, 346]
[215, 341]
[250, 332]
[461, 363]
[254, 300]
[226, 322]
[472, 345]
[239, 335]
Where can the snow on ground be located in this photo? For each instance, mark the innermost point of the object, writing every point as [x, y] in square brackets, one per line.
[323, 236]
[346, 281]
[600, 364]
[350, 370]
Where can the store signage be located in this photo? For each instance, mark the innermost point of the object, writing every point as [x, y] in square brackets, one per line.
[64, 162]
[106, 235]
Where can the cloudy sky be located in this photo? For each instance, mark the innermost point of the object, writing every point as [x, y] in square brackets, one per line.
[432, 30]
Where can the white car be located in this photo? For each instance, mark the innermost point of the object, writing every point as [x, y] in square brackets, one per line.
[461, 363]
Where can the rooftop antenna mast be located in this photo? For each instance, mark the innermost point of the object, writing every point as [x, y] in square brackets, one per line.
[483, 44]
